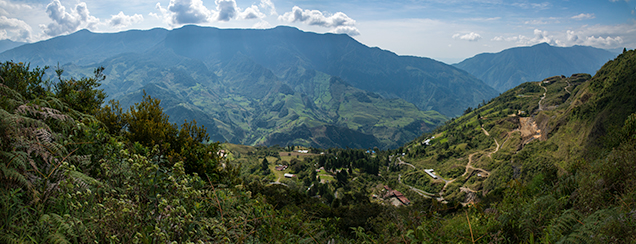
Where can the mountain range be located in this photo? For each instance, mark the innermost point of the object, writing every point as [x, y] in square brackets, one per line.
[275, 86]
[507, 69]
[285, 86]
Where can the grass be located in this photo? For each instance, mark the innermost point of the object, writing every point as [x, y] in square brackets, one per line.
[323, 175]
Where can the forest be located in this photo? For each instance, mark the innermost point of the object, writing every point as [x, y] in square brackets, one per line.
[545, 162]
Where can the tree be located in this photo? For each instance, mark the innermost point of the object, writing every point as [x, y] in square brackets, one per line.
[112, 116]
[81, 95]
[28, 83]
[265, 165]
[147, 124]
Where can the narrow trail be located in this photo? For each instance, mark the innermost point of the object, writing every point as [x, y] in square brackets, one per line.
[566, 88]
[418, 191]
[466, 189]
[484, 173]
[402, 162]
[469, 165]
[484, 130]
[496, 149]
[543, 97]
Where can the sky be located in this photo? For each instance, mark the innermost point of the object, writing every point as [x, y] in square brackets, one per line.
[445, 30]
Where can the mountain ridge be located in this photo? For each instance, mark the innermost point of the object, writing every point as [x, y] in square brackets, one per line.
[508, 68]
[206, 70]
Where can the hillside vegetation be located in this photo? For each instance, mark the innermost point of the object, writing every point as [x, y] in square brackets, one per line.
[548, 162]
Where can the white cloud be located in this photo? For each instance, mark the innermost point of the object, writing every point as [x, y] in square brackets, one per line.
[349, 30]
[608, 41]
[121, 20]
[340, 22]
[14, 29]
[181, 12]
[535, 22]
[227, 9]
[583, 16]
[6, 7]
[544, 5]
[267, 4]
[67, 22]
[473, 37]
[251, 13]
[539, 37]
[601, 36]
[315, 17]
[262, 24]
[187, 12]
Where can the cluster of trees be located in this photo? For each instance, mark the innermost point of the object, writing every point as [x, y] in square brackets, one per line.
[349, 159]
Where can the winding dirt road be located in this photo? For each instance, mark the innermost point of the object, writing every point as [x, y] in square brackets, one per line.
[543, 97]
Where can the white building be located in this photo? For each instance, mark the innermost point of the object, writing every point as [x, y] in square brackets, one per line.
[431, 173]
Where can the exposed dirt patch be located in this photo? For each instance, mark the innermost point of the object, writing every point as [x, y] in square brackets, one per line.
[528, 128]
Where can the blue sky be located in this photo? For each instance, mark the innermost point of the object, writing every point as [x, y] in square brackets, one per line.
[446, 30]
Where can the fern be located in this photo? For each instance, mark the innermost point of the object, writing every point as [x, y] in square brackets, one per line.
[9, 239]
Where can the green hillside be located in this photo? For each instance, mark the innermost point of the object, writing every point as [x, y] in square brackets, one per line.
[548, 162]
[249, 105]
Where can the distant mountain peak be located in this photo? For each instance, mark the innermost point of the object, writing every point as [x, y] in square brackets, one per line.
[511, 67]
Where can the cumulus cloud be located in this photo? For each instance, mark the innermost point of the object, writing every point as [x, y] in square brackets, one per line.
[187, 12]
[262, 24]
[473, 37]
[14, 29]
[181, 12]
[122, 20]
[597, 36]
[227, 9]
[339, 21]
[267, 4]
[251, 12]
[583, 16]
[315, 17]
[6, 7]
[67, 22]
[349, 30]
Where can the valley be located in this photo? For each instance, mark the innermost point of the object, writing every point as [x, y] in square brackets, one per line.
[267, 87]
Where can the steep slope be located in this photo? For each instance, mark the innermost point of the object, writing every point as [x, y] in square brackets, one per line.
[250, 105]
[538, 129]
[511, 67]
[429, 84]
